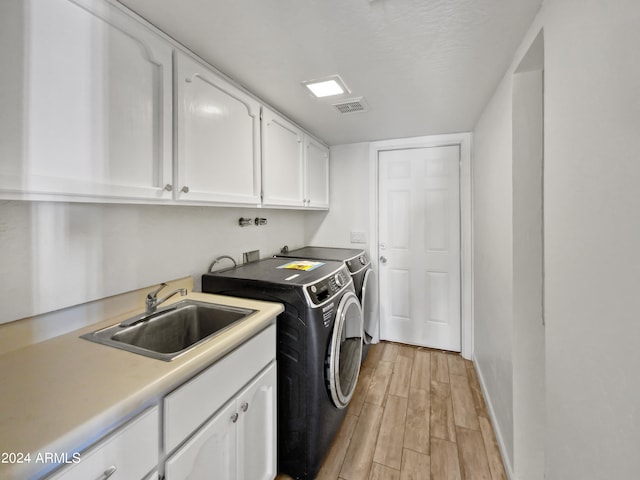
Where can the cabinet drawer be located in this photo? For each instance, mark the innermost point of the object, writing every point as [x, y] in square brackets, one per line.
[188, 407]
[132, 451]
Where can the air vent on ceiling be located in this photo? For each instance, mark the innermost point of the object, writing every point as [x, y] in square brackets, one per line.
[352, 105]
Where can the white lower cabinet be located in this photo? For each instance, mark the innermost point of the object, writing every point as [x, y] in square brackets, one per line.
[238, 443]
[219, 424]
[211, 453]
[256, 428]
[128, 454]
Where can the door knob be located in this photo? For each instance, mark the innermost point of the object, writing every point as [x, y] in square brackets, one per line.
[383, 259]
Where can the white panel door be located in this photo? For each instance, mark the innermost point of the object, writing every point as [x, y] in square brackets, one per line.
[420, 246]
[218, 138]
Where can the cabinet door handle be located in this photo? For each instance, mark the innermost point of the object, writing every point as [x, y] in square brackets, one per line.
[244, 406]
[108, 472]
[185, 189]
[234, 417]
[168, 187]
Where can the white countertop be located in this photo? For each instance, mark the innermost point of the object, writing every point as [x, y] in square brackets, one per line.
[63, 394]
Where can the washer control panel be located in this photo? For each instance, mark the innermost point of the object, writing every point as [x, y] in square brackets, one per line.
[326, 288]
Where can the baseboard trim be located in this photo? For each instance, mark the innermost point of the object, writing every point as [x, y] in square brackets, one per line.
[505, 459]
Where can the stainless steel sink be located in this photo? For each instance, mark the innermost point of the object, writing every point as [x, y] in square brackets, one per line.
[172, 331]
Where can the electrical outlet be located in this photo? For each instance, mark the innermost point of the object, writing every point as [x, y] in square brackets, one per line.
[358, 237]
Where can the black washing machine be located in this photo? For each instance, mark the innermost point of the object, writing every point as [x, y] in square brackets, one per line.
[364, 281]
[319, 346]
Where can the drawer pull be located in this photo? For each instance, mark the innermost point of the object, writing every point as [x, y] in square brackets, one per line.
[244, 406]
[234, 417]
[108, 472]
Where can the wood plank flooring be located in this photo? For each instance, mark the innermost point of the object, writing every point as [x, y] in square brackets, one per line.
[416, 414]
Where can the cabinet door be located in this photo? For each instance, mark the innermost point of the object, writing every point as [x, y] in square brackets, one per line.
[210, 453]
[130, 453]
[282, 161]
[316, 174]
[191, 404]
[218, 138]
[91, 108]
[257, 428]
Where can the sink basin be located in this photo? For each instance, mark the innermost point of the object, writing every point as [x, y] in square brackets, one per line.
[172, 331]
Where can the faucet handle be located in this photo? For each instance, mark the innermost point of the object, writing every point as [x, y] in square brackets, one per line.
[153, 294]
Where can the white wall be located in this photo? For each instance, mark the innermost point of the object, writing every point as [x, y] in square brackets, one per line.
[55, 255]
[592, 233]
[349, 194]
[493, 262]
[528, 329]
[593, 237]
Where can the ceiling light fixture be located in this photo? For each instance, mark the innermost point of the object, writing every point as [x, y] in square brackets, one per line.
[326, 87]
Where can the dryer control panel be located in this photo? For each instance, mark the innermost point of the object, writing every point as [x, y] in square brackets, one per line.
[324, 289]
[358, 263]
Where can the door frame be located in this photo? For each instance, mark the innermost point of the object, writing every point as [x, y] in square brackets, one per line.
[463, 141]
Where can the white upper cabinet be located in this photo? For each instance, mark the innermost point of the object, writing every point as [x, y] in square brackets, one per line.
[218, 140]
[316, 165]
[282, 161]
[91, 99]
[295, 166]
[87, 115]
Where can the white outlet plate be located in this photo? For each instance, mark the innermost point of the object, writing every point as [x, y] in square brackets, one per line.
[358, 237]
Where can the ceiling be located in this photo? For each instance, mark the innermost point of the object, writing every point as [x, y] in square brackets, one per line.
[424, 67]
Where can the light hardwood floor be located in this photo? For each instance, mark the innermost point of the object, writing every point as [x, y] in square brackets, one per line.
[416, 414]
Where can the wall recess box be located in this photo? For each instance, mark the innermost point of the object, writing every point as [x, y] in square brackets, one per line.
[252, 256]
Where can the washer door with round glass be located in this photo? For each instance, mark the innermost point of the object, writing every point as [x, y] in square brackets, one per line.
[345, 350]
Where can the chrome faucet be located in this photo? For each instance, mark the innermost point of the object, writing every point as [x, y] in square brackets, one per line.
[152, 301]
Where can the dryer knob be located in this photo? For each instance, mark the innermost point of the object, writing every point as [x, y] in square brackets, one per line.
[362, 260]
[339, 280]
